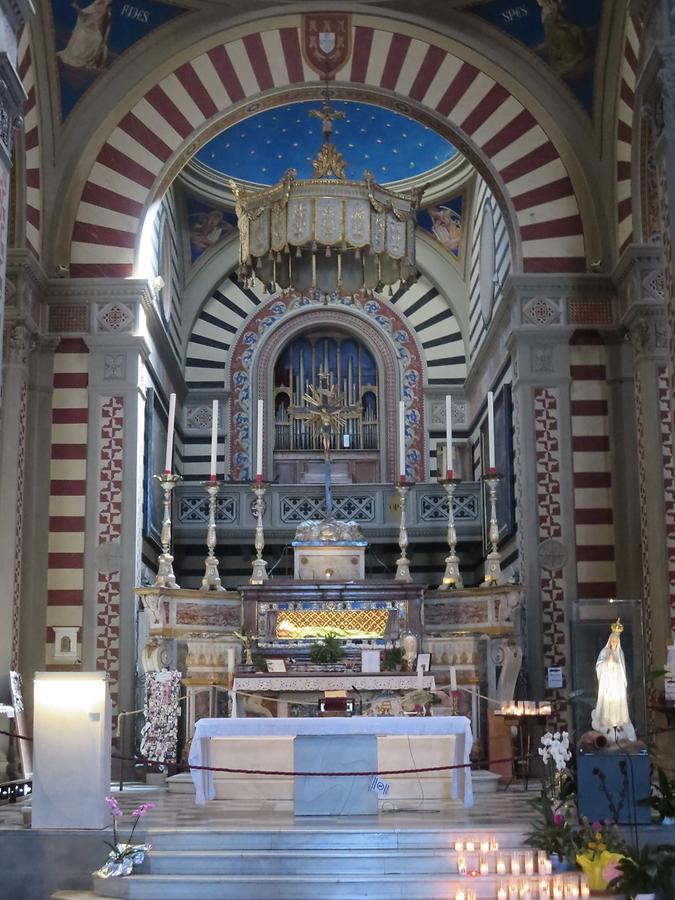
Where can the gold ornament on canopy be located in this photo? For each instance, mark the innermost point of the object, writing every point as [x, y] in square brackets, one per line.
[327, 234]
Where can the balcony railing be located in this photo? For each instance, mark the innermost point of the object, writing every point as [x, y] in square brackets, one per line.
[373, 506]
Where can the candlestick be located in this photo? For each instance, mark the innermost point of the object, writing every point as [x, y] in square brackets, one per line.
[401, 439]
[493, 570]
[452, 578]
[168, 461]
[259, 441]
[259, 574]
[165, 577]
[402, 563]
[448, 436]
[211, 580]
[230, 666]
[491, 431]
[214, 439]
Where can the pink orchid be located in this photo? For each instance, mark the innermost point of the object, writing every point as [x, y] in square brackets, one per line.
[596, 826]
[143, 809]
[115, 810]
[558, 819]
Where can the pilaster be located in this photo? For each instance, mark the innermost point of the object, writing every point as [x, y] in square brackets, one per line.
[545, 314]
[644, 314]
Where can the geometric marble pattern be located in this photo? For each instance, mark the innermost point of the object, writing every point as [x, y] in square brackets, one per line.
[591, 461]
[665, 419]
[642, 481]
[547, 455]
[624, 132]
[18, 532]
[67, 489]
[109, 530]
[31, 144]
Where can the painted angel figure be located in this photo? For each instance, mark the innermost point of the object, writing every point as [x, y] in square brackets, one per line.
[88, 44]
[610, 716]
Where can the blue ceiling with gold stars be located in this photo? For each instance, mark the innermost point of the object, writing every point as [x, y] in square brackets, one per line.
[387, 143]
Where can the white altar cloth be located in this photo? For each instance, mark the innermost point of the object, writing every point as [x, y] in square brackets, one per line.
[382, 726]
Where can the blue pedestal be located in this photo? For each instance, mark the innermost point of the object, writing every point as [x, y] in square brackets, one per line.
[610, 786]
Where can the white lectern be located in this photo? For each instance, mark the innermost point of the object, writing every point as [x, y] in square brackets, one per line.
[71, 750]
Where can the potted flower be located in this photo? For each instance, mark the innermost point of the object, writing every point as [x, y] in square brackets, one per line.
[123, 856]
[662, 798]
[328, 652]
[642, 873]
[552, 833]
[599, 848]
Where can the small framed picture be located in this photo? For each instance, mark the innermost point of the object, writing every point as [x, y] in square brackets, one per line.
[423, 662]
[275, 665]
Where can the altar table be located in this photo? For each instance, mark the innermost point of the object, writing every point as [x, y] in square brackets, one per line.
[382, 726]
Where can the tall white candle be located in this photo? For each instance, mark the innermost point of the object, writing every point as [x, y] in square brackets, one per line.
[453, 678]
[214, 439]
[259, 441]
[168, 461]
[491, 430]
[448, 435]
[401, 439]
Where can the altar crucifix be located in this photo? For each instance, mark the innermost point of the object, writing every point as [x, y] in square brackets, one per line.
[326, 411]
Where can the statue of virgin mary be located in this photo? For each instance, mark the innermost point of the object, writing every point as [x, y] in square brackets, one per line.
[610, 716]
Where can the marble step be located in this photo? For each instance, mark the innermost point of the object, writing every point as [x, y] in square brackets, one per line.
[313, 862]
[314, 837]
[308, 887]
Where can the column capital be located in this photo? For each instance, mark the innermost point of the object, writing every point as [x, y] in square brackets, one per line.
[18, 12]
[12, 98]
[640, 284]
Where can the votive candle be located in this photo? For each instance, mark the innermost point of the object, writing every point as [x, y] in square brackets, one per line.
[459, 846]
[513, 890]
[459, 894]
[485, 846]
[483, 865]
[461, 865]
[501, 865]
[501, 892]
[544, 889]
[528, 863]
[494, 844]
[515, 864]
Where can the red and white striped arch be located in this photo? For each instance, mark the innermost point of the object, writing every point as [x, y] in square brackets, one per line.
[624, 133]
[31, 144]
[175, 113]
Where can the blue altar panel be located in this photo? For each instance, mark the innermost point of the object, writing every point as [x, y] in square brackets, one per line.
[610, 785]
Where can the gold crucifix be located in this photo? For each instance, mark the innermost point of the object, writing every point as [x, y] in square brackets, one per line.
[326, 410]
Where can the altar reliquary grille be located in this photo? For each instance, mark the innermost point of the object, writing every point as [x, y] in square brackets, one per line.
[326, 233]
[352, 623]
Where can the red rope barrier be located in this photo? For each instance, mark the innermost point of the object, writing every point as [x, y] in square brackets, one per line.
[232, 771]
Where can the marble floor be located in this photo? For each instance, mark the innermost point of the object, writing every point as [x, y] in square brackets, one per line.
[174, 812]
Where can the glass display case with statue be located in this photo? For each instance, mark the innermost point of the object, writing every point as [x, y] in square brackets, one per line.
[591, 629]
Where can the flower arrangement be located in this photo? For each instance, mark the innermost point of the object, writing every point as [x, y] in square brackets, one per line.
[599, 848]
[553, 833]
[123, 856]
[645, 871]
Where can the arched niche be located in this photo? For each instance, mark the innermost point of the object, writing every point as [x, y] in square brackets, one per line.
[389, 339]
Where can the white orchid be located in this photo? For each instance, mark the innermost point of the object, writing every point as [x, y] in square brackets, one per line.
[556, 747]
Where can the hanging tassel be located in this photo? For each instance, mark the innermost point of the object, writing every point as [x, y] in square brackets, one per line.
[328, 252]
[298, 252]
[357, 253]
[258, 264]
[391, 293]
[278, 257]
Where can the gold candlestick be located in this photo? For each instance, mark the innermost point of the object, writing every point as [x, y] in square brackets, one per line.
[211, 580]
[493, 569]
[402, 563]
[259, 574]
[452, 578]
[165, 577]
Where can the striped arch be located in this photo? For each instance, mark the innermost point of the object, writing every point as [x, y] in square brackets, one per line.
[31, 145]
[624, 133]
[423, 307]
[154, 139]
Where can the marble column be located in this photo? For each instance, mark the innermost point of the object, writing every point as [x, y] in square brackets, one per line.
[114, 525]
[644, 315]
